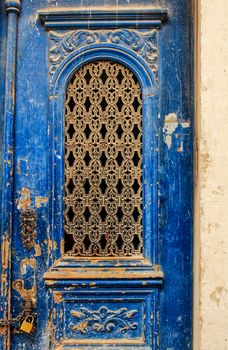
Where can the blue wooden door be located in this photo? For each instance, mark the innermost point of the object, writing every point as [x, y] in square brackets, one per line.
[96, 220]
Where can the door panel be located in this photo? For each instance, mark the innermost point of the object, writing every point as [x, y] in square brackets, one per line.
[90, 319]
[101, 235]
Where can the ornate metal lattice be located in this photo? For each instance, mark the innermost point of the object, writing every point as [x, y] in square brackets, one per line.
[103, 162]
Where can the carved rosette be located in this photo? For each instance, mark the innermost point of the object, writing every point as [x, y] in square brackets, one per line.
[143, 43]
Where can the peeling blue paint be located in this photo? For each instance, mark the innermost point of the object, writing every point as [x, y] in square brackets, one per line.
[168, 187]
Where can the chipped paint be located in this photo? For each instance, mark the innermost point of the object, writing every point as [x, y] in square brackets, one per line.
[180, 148]
[57, 297]
[5, 252]
[39, 201]
[22, 167]
[27, 262]
[185, 124]
[171, 123]
[37, 250]
[98, 273]
[24, 201]
[26, 294]
[18, 285]
[92, 284]
[62, 247]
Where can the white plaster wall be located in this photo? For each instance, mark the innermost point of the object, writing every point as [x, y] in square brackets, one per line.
[211, 333]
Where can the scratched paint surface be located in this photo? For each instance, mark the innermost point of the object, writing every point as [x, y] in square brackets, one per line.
[31, 189]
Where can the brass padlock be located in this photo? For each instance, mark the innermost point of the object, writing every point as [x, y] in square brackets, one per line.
[27, 324]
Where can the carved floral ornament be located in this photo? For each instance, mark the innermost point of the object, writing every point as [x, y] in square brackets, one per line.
[104, 320]
[64, 44]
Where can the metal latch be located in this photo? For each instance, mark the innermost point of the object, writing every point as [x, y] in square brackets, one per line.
[25, 322]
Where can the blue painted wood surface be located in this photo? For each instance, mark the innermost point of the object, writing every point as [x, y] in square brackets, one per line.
[39, 125]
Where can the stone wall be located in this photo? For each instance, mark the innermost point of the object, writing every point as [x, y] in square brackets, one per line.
[211, 215]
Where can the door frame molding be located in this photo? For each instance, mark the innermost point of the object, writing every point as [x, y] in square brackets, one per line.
[12, 9]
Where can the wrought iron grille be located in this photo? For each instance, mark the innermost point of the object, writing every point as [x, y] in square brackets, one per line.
[103, 162]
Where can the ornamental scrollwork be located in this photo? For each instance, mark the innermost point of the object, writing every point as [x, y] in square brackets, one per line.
[143, 43]
[104, 320]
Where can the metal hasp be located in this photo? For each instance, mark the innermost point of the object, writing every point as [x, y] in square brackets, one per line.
[28, 219]
[18, 323]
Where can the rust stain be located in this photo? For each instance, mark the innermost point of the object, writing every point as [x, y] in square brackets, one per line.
[24, 201]
[40, 200]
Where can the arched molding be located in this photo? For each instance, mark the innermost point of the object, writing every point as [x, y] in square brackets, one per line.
[58, 86]
[67, 64]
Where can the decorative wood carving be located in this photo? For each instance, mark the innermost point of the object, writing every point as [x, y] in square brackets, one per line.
[104, 320]
[63, 44]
